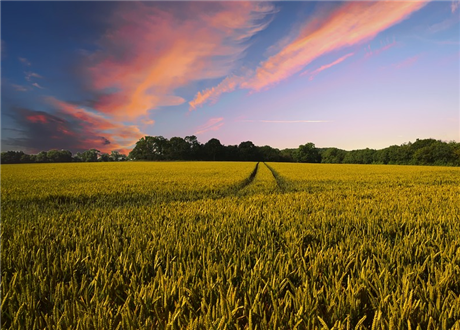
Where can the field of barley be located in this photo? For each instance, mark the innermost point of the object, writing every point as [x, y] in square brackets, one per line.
[220, 245]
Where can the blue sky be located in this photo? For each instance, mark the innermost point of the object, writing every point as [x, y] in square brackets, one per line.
[80, 75]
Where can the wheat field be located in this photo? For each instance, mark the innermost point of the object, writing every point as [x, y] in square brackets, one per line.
[217, 245]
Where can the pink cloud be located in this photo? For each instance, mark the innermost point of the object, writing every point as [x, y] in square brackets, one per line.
[285, 121]
[37, 118]
[454, 6]
[148, 121]
[370, 52]
[229, 84]
[350, 24]
[139, 68]
[327, 66]
[406, 63]
[212, 124]
[95, 130]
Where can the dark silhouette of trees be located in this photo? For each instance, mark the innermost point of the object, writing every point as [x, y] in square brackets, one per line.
[12, 157]
[158, 148]
[213, 150]
[307, 153]
[248, 151]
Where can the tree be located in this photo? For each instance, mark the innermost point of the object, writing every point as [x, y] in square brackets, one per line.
[213, 149]
[248, 151]
[12, 157]
[269, 154]
[178, 149]
[333, 155]
[150, 148]
[59, 156]
[105, 157]
[195, 147]
[90, 155]
[307, 153]
[42, 157]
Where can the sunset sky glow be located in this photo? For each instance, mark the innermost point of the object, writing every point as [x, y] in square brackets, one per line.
[79, 75]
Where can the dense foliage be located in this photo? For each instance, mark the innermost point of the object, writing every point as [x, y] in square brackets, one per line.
[158, 148]
[61, 156]
[212, 245]
[421, 152]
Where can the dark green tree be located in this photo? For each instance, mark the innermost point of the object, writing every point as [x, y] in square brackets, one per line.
[248, 151]
[307, 153]
[90, 155]
[213, 150]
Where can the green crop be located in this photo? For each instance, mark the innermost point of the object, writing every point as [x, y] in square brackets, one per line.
[190, 245]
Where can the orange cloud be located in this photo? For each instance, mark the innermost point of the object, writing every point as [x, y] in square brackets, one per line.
[327, 66]
[212, 124]
[350, 24]
[150, 52]
[95, 130]
[229, 84]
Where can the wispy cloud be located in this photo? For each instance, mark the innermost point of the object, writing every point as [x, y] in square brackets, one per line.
[212, 124]
[24, 61]
[407, 62]
[30, 75]
[38, 86]
[327, 66]
[370, 52]
[285, 121]
[138, 68]
[349, 24]
[19, 88]
[229, 84]
[454, 6]
[445, 24]
[148, 121]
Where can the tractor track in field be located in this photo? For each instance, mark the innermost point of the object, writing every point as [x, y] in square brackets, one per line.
[282, 185]
[251, 177]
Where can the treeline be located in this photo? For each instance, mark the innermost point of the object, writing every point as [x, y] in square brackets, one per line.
[61, 156]
[158, 148]
[420, 152]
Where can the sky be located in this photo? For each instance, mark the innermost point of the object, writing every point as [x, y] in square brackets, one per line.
[101, 74]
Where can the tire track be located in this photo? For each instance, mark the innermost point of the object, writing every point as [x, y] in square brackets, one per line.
[280, 181]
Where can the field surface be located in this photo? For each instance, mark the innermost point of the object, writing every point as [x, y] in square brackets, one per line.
[209, 245]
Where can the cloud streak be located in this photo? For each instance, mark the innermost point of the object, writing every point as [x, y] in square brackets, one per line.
[454, 6]
[407, 62]
[349, 24]
[19, 88]
[327, 66]
[24, 61]
[30, 75]
[212, 124]
[285, 121]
